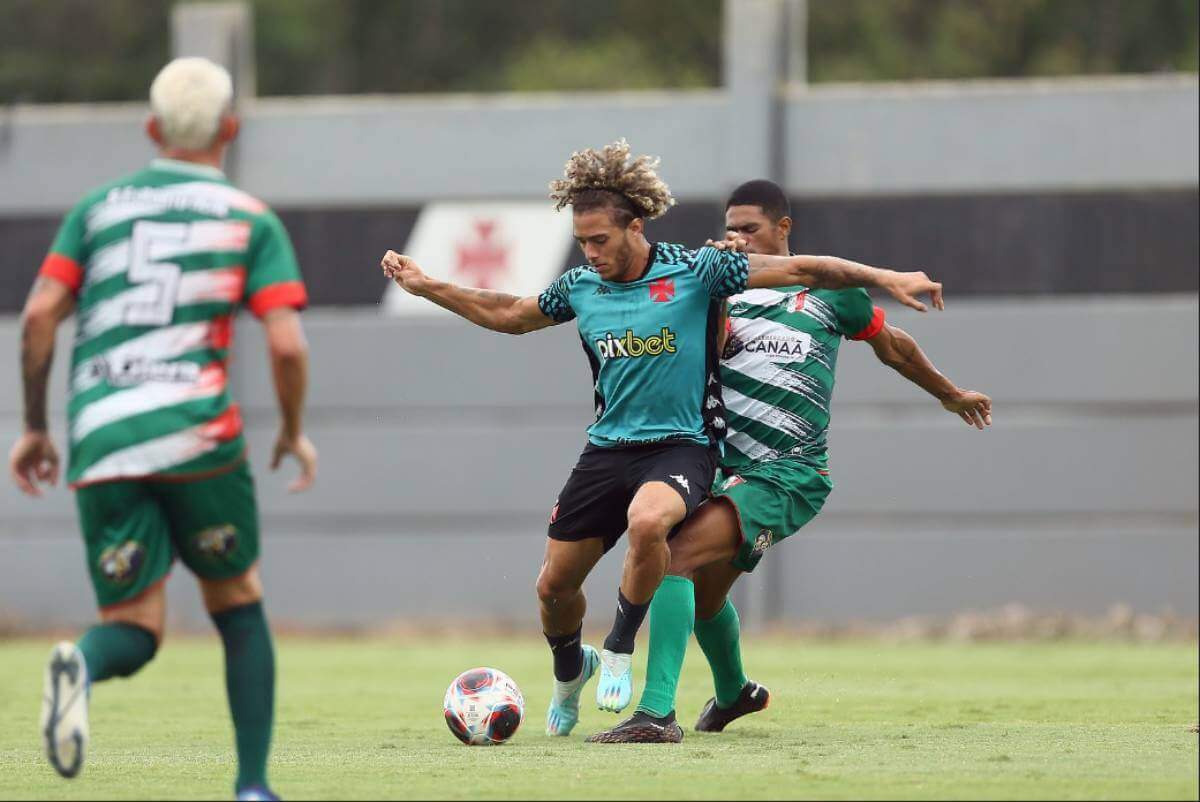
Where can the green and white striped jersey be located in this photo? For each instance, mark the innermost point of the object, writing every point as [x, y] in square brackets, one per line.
[778, 367]
[160, 261]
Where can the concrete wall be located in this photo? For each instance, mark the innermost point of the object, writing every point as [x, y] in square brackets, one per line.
[443, 448]
[1136, 132]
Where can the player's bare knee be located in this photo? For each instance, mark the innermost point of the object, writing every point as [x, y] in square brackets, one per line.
[683, 563]
[226, 594]
[552, 588]
[648, 530]
[147, 611]
[141, 616]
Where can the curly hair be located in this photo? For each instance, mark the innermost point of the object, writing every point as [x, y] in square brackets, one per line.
[610, 178]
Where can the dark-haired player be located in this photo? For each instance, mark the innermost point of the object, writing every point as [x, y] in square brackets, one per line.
[648, 315]
[777, 372]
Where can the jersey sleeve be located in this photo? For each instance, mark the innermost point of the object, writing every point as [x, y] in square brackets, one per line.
[857, 317]
[555, 300]
[272, 274]
[724, 273]
[64, 263]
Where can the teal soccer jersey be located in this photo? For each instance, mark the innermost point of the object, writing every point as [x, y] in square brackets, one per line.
[652, 343]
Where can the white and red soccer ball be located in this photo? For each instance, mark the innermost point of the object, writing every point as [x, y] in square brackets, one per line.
[483, 706]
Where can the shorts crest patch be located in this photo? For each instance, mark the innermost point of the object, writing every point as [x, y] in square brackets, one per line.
[120, 564]
[217, 541]
[765, 539]
[733, 481]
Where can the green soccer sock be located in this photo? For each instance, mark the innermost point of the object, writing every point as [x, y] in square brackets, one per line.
[720, 640]
[250, 683]
[116, 650]
[672, 616]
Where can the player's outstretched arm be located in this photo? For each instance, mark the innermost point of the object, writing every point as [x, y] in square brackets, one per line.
[898, 350]
[33, 458]
[289, 368]
[497, 311]
[834, 273]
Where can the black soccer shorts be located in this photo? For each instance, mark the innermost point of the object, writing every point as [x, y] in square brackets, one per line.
[596, 497]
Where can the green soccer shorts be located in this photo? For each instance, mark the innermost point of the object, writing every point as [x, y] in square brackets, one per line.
[773, 501]
[133, 530]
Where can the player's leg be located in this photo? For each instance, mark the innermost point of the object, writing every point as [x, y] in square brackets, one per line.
[587, 520]
[214, 523]
[706, 535]
[671, 484]
[562, 605]
[129, 556]
[705, 552]
[654, 512]
[765, 505]
[718, 631]
[235, 606]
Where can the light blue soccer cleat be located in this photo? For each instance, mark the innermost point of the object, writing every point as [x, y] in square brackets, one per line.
[614, 690]
[563, 714]
[256, 793]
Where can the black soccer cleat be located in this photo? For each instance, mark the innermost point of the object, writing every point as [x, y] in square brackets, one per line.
[641, 728]
[753, 698]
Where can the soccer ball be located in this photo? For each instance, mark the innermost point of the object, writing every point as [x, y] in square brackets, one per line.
[483, 706]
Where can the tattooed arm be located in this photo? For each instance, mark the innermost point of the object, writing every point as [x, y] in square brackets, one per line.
[497, 311]
[833, 273]
[33, 458]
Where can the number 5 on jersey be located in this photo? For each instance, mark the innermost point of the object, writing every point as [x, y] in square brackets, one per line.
[158, 282]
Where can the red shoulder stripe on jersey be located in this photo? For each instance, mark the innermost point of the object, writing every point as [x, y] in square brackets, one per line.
[873, 328]
[288, 293]
[64, 269]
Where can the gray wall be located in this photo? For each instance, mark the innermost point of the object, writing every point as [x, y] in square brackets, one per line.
[443, 448]
[1135, 132]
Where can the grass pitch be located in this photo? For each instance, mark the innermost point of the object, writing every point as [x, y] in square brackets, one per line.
[361, 719]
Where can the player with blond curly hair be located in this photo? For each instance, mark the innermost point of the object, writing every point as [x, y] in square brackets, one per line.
[648, 314]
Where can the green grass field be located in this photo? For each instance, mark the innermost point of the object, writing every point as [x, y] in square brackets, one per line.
[361, 719]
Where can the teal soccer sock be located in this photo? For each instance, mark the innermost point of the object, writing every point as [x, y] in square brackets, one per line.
[116, 650]
[720, 640]
[250, 683]
[672, 616]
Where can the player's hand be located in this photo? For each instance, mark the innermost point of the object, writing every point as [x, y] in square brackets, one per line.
[404, 271]
[305, 453]
[907, 287]
[731, 242]
[33, 459]
[974, 408]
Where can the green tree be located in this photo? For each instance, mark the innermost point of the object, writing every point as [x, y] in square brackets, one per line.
[868, 40]
[71, 50]
[87, 50]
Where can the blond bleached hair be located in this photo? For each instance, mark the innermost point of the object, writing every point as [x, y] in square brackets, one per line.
[612, 170]
[188, 98]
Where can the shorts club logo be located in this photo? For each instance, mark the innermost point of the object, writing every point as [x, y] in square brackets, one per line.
[733, 481]
[217, 541]
[763, 542]
[120, 564]
[662, 290]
